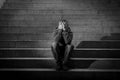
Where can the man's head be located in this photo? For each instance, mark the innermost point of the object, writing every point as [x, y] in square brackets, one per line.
[65, 22]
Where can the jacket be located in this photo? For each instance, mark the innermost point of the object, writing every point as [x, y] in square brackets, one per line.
[63, 36]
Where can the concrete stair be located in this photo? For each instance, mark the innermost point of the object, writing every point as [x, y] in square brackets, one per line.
[82, 63]
[46, 53]
[114, 36]
[47, 44]
[26, 36]
[47, 36]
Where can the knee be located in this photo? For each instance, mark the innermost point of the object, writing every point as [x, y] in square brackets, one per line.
[54, 44]
[70, 46]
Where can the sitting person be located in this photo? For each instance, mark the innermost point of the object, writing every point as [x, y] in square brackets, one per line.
[61, 47]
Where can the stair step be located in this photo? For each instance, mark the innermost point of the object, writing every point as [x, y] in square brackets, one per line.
[28, 2]
[43, 29]
[34, 1]
[46, 11]
[99, 44]
[96, 53]
[26, 30]
[47, 36]
[47, 44]
[46, 29]
[57, 12]
[42, 36]
[30, 18]
[27, 63]
[71, 59]
[113, 36]
[25, 44]
[50, 63]
[36, 17]
[47, 74]
[97, 49]
[26, 23]
[5, 53]
[41, 6]
[44, 22]
[57, 5]
[72, 11]
[53, 70]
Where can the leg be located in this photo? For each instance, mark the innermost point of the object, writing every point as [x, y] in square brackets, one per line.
[56, 53]
[68, 50]
[55, 50]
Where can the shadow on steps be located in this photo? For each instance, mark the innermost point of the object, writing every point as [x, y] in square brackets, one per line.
[107, 42]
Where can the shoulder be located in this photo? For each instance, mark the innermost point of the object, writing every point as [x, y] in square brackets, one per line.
[68, 29]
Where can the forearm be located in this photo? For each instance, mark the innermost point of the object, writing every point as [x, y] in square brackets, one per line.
[68, 36]
[57, 35]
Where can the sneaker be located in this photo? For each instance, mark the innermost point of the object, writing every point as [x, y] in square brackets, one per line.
[59, 67]
[65, 68]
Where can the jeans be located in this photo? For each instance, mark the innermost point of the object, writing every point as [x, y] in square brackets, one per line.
[61, 52]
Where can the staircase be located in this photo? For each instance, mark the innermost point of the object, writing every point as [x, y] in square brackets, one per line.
[26, 28]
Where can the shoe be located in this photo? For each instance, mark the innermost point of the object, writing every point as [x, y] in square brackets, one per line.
[59, 67]
[65, 68]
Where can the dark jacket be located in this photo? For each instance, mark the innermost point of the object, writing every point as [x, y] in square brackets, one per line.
[63, 37]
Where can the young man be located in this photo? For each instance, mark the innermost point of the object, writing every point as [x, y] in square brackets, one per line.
[61, 47]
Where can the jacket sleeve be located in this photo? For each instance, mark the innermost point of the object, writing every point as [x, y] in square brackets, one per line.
[68, 36]
[57, 35]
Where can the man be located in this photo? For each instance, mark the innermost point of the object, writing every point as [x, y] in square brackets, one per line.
[61, 47]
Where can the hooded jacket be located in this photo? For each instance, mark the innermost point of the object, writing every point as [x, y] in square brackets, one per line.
[63, 36]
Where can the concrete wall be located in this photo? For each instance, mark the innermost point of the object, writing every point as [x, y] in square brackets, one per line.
[92, 19]
[89, 19]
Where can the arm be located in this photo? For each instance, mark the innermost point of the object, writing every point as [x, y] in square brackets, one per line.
[57, 35]
[68, 36]
[58, 32]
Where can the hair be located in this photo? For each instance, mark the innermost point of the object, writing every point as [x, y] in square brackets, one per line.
[63, 20]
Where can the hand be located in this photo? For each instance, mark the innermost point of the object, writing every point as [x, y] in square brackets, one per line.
[64, 27]
[60, 25]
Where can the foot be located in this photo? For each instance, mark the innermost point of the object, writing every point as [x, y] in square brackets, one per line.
[65, 68]
[59, 67]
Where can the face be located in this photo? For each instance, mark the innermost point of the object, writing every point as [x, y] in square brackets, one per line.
[64, 23]
[60, 23]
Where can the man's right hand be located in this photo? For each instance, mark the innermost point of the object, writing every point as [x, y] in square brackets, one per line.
[60, 25]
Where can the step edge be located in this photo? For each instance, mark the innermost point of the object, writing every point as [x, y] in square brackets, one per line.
[51, 40]
[71, 70]
[51, 58]
[50, 49]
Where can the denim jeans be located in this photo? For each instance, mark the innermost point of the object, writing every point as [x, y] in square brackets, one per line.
[61, 52]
